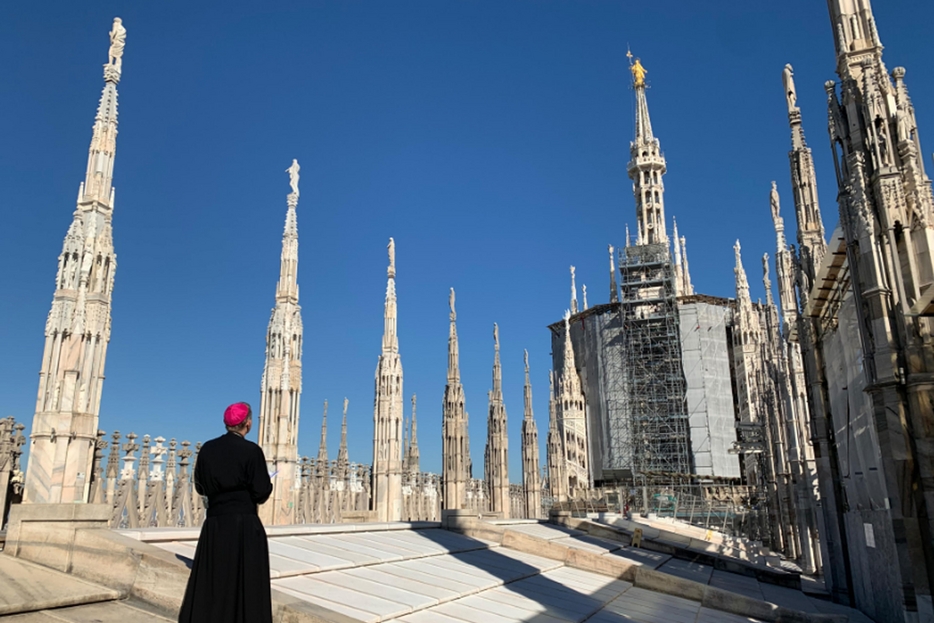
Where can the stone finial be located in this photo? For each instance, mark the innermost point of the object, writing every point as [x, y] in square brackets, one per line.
[573, 293]
[451, 298]
[584, 295]
[391, 248]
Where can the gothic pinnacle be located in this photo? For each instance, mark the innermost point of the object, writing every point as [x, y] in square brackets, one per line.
[614, 291]
[766, 281]
[573, 293]
[646, 167]
[323, 447]
[77, 330]
[390, 338]
[342, 457]
[497, 368]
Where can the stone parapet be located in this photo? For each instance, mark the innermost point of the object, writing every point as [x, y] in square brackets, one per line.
[45, 533]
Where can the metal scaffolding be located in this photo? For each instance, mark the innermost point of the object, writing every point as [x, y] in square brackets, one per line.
[651, 347]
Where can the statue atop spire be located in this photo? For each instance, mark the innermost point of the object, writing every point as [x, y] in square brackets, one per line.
[391, 248]
[614, 291]
[115, 54]
[638, 72]
[293, 176]
[573, 293]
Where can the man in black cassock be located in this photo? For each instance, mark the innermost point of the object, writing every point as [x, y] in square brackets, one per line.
[229, 581]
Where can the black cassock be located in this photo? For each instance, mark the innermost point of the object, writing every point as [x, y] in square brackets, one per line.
[229, 581]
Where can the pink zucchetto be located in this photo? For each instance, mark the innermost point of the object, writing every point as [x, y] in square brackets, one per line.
[237, 413]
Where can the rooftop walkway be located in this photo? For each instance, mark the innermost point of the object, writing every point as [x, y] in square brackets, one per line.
[475, 571]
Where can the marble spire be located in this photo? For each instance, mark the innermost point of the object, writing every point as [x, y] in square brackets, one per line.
[497, 465]
[413, 463]
[571, 416]
[455, 440]
[343, 458]
[584, 296]
[281, 384]
[784, 265]
[686, 269]
[646, 167]
[679, 272]
[77, 330]
[614, 290]
[767, 281]
[811, 242]
[323, 445]
[746, 338]
[387, 411]
[557, 472]
[531, 473]
[574, 309]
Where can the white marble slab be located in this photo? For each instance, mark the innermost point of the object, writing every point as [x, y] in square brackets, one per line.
[319, 544]
[592, 584]
[651, 607]
[408, 571]
[309, 555]
[381, 574]
[518, 611]
[449, 564]
[354, 543]
[459, 573]
[354, 582]
[504, 595]
[429, 616]
[561, 600]
[542, 564]
[311, 586]
[341, 608]
[462, 612]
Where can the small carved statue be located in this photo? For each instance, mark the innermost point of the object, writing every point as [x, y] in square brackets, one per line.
[392, 256]
[903, 124]
[117, 43]
[774, 201]
[791, 96]
[293, 176]
[451, 304]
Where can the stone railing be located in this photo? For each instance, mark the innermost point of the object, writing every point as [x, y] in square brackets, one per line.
[478, 499]
[158, 491]
[156, 488]
[11, 474]
[421, 496]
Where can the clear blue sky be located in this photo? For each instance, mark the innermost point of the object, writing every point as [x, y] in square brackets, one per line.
[489, 138]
